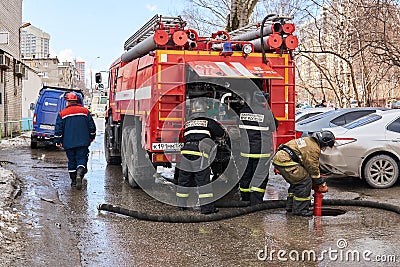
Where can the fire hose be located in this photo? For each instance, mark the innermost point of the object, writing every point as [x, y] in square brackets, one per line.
[240, 208]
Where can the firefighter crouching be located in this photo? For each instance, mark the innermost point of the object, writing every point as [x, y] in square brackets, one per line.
[298, 163]
[197, 154]
[257, 123]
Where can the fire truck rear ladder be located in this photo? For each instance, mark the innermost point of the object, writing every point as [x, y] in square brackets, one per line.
[179, 101]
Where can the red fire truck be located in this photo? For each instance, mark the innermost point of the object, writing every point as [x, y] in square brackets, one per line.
[165, 64]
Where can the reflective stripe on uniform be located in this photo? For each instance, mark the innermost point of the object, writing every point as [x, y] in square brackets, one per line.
[196, 153]
[245, 190]
[257, 189]
[302, 198]
[207, 132]
[285, 164]
[246, 155]
[181, 195]
[206, 195]
[290, 194]
[253, 127]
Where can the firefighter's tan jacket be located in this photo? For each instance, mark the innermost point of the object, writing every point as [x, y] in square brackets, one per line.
[308, 151]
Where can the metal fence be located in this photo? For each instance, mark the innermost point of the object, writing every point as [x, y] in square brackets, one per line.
[9, 128]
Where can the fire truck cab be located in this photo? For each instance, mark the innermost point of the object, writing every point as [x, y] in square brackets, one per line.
[166, 65]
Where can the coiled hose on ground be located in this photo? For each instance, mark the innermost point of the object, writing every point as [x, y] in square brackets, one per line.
[240, 208]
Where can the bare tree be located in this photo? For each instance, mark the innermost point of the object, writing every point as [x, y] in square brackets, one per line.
[338, 43]
[349, 49]
[208, 15]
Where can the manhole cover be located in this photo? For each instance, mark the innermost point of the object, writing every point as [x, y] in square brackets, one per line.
[332, 212]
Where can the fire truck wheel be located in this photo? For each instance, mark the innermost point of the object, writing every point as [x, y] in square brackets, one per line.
[132, 181]
[123, 156]
[128, 157]
[112, 160]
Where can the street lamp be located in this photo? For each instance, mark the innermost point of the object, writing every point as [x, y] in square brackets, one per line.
[91, 75]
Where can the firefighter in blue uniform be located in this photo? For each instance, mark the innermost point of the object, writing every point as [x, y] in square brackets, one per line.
[197, 153]
[75, 130]
[257, 123]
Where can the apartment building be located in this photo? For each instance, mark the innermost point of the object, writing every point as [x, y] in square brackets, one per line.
[35, 43]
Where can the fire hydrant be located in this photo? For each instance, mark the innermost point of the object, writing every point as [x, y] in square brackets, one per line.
[318, 196]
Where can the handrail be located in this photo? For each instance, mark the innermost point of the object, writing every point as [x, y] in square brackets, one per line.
[10, 127]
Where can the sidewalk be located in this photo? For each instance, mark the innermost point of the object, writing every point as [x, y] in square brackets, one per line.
[9, 217]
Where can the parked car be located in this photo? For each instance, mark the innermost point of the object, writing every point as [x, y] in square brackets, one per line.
[305, 113]
[98, 106]
[50, 102]
[367, 148]
[332, 118]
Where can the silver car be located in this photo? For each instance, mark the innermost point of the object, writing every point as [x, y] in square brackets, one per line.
[332, 118]
[305, 113]
[367, 148]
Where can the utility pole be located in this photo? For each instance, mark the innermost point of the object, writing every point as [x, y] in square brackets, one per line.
[91, 76]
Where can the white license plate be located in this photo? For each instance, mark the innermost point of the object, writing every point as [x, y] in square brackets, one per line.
[167, 146]
[46, 127]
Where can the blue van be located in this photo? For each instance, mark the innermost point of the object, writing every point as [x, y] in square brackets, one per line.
[50, 102]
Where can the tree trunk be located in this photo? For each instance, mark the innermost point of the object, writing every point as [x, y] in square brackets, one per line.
[240, 13]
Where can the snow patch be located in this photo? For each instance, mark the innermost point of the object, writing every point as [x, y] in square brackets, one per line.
[21, 140]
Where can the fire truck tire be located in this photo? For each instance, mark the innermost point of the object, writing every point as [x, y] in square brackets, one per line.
[112, 160]
[128, 157]
[123, 155]
[140, 168]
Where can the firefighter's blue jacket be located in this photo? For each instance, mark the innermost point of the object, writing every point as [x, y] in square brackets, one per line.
[75, 127]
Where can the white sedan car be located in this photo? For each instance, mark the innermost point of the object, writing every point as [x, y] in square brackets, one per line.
[367, 148]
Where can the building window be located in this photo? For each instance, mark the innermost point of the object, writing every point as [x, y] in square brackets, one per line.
[4, 37]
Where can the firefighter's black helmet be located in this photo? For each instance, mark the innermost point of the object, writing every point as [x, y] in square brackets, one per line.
[324, 138]
[198, 105]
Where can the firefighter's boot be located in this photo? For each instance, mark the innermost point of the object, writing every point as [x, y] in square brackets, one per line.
[289, 203]
[244, 196]
[208, 209]
[80, 173]
[256, 198]
[300, 208]
[72, 175]
[181, 200]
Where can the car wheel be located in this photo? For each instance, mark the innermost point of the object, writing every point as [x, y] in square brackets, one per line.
[381, 171]
[34, 144]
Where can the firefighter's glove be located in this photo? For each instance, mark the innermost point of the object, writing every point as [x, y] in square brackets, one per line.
[320, 185]
[318, 181]
[323, 188]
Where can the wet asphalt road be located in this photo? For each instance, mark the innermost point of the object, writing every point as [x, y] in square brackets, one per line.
[63, 227]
